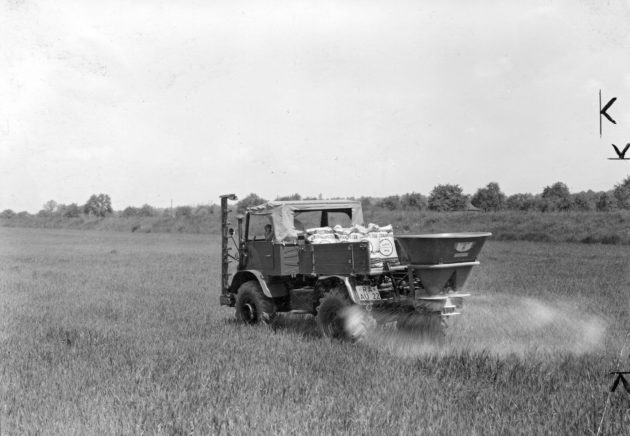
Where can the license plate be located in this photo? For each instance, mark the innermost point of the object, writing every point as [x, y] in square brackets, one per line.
[367, 293]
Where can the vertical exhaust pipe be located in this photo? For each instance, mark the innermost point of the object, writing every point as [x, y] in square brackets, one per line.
[225, 298]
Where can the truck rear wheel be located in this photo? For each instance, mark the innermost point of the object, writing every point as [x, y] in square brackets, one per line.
[338, 318]
[252, 306]
[330, 319]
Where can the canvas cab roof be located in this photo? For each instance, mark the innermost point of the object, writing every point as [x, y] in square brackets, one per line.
[283, 213]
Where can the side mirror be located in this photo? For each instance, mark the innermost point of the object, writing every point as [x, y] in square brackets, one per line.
[231, 231]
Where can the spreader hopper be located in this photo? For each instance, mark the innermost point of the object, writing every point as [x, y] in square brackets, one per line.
[441, 260]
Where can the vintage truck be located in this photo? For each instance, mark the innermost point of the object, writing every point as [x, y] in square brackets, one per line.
[317, 257]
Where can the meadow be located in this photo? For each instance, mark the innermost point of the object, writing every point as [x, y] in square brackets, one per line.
[122, 333]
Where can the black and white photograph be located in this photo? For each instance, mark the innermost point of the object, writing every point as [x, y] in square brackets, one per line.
[333, 217]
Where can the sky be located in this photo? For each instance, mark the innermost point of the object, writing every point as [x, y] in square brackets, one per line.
[159, 101]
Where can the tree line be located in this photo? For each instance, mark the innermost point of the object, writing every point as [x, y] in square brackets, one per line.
[100, 205]
[442, 198]
[450, 197]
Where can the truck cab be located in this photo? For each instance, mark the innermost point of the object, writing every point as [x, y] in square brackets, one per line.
[292, 250]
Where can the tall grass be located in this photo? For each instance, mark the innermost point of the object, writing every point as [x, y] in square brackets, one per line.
[108, 332]
[612, 228]
[206, 224]
[587, 227]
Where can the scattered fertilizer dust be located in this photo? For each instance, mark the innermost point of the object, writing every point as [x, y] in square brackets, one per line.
[499, 324]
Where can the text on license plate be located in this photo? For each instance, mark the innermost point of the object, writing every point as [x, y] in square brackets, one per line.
[367, 293]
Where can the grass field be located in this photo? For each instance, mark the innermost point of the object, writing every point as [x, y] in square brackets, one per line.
[120, 333]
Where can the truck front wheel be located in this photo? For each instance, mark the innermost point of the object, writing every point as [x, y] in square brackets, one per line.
[330, 314]
[252, 306]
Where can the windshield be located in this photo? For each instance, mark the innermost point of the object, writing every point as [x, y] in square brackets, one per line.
[257, 225]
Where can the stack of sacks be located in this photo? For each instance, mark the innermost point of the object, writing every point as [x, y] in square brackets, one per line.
[382, 246]
[342, 234]
[321, 235]
[327, 235]
[360, 233]
[374, 231]
[381, 239]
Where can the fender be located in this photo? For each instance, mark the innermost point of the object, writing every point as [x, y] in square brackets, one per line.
[349, 289]
[246, 275]
[272, 291]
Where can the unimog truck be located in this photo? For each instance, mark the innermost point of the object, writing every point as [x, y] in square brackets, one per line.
[318, 257]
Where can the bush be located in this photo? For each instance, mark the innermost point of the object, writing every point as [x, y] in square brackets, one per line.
[584, 201]
[183, 211]
[130, 211]
[521, 202]
[71, 211]
[390, 203]
[204, 210]
[414, 201]
[7, 213]
[251, 200]
[445, 198]
[606, 202]
[556, 198]
[489, 198]
[147, 211]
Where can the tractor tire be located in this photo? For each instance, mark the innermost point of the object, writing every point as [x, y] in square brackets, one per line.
[338, 318]
[252, 306]
[330, 314]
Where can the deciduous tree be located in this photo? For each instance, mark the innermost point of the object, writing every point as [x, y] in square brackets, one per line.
[391, 202]
[556, 198]
[147, 210]
[584, 201]
[71, 211]
[445, 198]
[414, 201]
[606, 202]
[50, 207]
[251, 200]
[622, 193]
[7, 213]
[489, 198]
[98, 205]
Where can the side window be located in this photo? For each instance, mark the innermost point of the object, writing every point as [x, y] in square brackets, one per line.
[340, 218]
[307, 220]
[257, 225]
